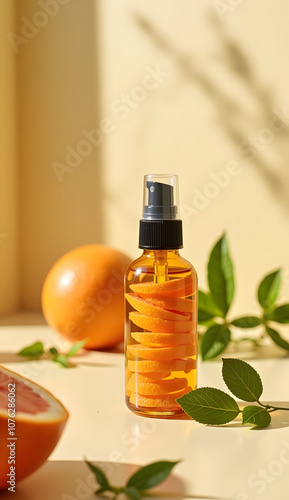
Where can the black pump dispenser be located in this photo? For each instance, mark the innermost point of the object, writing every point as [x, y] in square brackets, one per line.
[160, 227]
[160, 201]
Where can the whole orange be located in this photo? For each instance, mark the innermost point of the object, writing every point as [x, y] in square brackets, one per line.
[82, 296]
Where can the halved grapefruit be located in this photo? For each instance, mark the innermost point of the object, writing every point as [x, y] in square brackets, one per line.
[39, 422]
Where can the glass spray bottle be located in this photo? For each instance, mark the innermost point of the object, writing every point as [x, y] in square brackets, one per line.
[161, 308]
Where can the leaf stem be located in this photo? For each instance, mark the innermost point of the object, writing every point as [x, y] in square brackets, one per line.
[117, 490]
[271, 407]
[279, 408]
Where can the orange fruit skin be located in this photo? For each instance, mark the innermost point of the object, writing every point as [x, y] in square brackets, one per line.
[35, 442]
[82, 295]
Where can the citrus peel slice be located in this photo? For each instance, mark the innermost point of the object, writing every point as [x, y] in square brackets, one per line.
[158, 388]
[162, 353]
[149, 309]
[180, 287]
[167, 401]
[160, 325]
[149, 377]
[176, 365]
[152, 339]
[176, 304]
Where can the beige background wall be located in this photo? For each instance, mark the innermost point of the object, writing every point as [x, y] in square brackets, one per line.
[225, 78]
[8, 166]
[58, 97]
[218, 84]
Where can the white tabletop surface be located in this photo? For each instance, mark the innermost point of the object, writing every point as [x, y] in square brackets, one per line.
[217, 462]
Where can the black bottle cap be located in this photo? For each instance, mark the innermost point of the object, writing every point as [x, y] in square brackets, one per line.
[160, 227]
[161, 234]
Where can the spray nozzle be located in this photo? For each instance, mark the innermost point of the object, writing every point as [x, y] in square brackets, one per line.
[160, 198]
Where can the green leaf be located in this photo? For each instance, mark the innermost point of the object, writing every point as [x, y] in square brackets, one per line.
[247, 322]
[280, 314]
[260, 417]
[215, 341]
[276, 337]
[221, 275]
[242, 379]
[62, 360]
[132, 493]
[209, 406]
[207, 309]
[151, 475]
[100, 477]
[53, 351]
[207, 304]
[268, 290]
[100, 490]
[204, 317]
[32, 351]
[76, 347]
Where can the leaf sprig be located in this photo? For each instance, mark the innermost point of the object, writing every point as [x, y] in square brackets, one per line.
[145, 478]
[215, 304]
[36, 351]
[211, 406]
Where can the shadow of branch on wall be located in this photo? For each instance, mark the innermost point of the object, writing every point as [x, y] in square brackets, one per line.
[259, 135]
